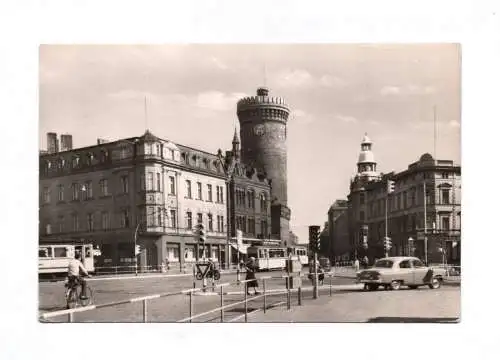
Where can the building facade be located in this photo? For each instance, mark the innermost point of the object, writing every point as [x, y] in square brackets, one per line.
[249, 194]
[429, 189]
[338, 240]
[263, 121]
[134, 190]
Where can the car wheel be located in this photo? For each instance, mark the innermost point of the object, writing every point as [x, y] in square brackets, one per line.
[395, 285]
[435, 283]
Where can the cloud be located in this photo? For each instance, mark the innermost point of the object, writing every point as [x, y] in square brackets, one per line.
[407, 90]
[346, 118]
[218, 101]
[294, 78]
[218, 63]
[390, 90]
[302, 117]
[331, 81]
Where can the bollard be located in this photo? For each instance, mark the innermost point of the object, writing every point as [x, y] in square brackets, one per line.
[190, 306]
[264, 290]
[221, 304]
[299, 294]
[144, 310]
[213, 282]
[204, 284]
[246, 301]
[330, 284]
[238, 279]
[70, 317]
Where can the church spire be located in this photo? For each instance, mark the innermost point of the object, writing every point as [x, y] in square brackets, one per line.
[236, 145]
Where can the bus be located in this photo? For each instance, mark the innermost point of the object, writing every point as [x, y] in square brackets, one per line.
[268, 258]
[53, 259]
[301, 253]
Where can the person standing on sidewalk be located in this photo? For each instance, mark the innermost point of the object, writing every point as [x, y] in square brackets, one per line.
[251, 269]
[356, 265]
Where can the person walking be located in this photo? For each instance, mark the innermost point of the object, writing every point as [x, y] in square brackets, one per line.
[251, 269]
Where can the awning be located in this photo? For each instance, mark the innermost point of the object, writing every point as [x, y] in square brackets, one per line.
[242, 248]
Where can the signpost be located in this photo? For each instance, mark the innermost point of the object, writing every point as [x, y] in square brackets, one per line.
[239, 241]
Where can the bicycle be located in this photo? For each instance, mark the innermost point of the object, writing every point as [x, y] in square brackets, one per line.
[73, 292]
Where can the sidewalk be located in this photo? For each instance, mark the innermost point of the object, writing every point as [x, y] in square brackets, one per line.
[349, 307]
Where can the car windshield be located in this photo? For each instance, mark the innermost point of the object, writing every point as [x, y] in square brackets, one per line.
[383, 264]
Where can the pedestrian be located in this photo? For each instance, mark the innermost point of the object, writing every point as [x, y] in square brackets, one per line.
[365, 262]
[251, 269]
[356, 265]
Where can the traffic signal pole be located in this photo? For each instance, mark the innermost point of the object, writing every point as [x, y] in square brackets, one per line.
[315, 286]
[385, 239]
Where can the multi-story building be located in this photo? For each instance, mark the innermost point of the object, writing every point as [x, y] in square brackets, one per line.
[249, 194]
[145, 186]
[338, 235]
[429, 189]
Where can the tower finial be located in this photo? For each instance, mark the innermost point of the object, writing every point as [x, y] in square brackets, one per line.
[236, 139]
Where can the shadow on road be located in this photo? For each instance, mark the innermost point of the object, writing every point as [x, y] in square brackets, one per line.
[413, 320]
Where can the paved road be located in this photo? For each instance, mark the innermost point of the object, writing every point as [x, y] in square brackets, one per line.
[420, 305]
[51, 297]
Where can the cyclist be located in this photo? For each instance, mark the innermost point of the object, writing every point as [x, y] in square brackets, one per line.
[75, 266]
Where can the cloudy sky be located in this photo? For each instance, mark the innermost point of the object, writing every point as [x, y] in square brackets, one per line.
[337, 93]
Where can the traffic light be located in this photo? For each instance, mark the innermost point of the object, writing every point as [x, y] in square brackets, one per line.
[390, 186]
[314, 238]
[202, 235]
[387, 243]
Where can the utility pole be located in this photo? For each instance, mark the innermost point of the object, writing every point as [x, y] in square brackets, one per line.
[425, 223]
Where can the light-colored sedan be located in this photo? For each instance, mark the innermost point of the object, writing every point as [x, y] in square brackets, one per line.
[394, 272]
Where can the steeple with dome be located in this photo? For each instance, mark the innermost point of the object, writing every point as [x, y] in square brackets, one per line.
[367, 166]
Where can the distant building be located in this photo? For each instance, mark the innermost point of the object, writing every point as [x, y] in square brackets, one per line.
[339, 247]
[66, 142]
[405, 209]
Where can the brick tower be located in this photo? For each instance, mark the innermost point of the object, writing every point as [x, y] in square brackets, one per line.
[263, 121]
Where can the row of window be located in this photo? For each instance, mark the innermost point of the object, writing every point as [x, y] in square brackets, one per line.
[248, 225]
[405, 200]
[199, 192]
[154, 217]
[190, 251]
[247, 199]
[83, 191]
[416, 221]
[90, 222]
[210, 221]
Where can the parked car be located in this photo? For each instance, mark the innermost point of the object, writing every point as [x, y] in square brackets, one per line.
[394, 272]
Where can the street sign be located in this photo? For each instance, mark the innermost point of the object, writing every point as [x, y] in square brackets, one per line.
[203, 269]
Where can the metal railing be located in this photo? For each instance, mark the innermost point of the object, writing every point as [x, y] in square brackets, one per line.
[145, 300]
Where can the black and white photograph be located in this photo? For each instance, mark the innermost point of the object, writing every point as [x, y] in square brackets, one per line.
[264, 183]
